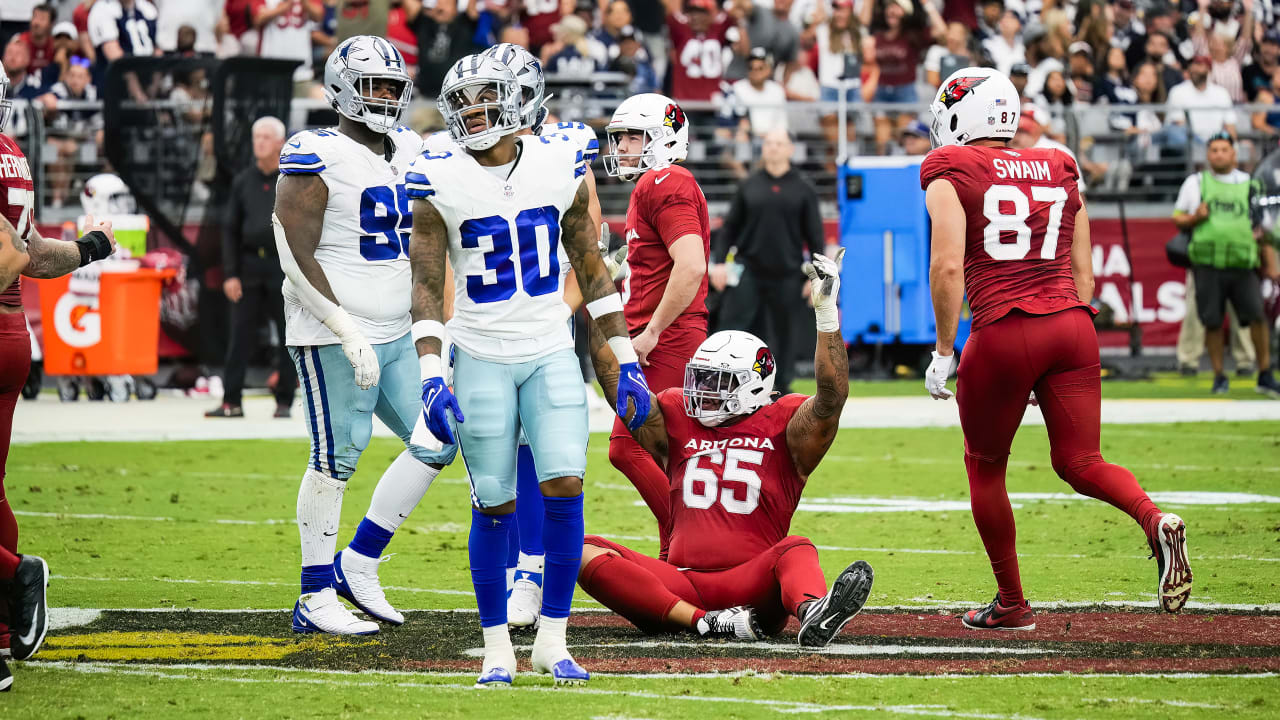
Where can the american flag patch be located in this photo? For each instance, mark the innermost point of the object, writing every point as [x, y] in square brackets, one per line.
[1001, 101]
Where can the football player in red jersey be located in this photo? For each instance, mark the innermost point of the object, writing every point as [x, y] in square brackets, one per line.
[1010, 229]
[737, 461]
[668, 237]
[24, 252]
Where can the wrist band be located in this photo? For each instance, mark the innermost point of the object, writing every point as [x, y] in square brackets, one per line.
[622, 350]
[610, 303]
[428, 329]
[430, 367]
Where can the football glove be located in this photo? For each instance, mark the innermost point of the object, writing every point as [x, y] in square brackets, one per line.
[935, 378]
[616, 261]
[632, 388]
[824, 276]
[437, 403]
[357, 349]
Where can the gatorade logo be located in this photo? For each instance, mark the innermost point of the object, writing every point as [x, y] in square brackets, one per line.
[77, 322]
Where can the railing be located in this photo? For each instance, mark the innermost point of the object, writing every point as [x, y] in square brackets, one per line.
[1138, 167]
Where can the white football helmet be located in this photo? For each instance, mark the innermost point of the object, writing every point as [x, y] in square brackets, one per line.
[6, 101]
[666, 132]
[348, 82]
[730, 375]
[974, 103]
[479, 87]
[533, 84]
[106, 195]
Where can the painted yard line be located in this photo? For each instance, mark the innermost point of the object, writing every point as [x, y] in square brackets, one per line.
[1133, 430]
[778, 705]
[285, 669]
[1171, 703]
[1044, 464]
[149, 518]
[837, 649]
[265, 583]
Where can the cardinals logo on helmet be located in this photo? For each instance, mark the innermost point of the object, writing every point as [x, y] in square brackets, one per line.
[764, 362]
[958, 88]
[674, 117]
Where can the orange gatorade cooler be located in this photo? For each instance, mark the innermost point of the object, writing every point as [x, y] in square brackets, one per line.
[115, 332]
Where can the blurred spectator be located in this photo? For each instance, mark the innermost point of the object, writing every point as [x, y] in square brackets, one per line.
[118, 28]
[1031, 134]
[1159, 53]
[769, 28]
[1005, 49]
[1266, 58]
[191, 92]
[67, 128]
[239, 15]
[989, 14]
[568, 54]
[201, 16]
[1018, 76]
[1080, 65]
[251, 268]
[901, 33]
[1043, 51]
[942, 60]
[538, 16]
[1219, 18]
[1128, 30]
[39, 38]
[761, 96]
[700, 38]
[1226, 56]
[607, 38]
[285, 28]
[400, 32]
[1208, 105]
[633, 60]
[586, 10]
[445, 36]
[185, 45]
[773, 219]
[1268, 123]
[80, 18]
[1112, 86]
[66, 44]
[914, 139]
[23, 84]
[15, 18]
[1056, 98]
[845, 55]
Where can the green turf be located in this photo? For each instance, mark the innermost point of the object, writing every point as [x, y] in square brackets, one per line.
[1160, 386]
[187, 559]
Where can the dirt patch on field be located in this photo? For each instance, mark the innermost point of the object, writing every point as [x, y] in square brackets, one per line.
[881, 642]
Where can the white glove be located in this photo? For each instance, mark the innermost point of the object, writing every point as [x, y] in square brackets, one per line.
[615, 262]
[824, 278]
[358, 350]
[935, 378]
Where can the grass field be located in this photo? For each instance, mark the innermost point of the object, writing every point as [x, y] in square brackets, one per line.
[141, 532]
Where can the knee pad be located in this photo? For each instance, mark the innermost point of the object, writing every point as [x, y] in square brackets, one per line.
[792, 542]
[1070, 467]
[490, 492]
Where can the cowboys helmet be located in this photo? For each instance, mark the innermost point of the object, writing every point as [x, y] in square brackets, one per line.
[349, 76]
[533, 84]
[480, 88]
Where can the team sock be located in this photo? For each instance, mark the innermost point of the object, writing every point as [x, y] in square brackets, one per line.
[370, 539]
[319, 510]
[562, 534]
[487, 551]
[397, 493]
[993, 517]
[529, 506]
[629, 590]
[1090, 475]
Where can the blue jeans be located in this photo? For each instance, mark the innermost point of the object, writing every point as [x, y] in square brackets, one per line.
[832, 94]
[897, 93]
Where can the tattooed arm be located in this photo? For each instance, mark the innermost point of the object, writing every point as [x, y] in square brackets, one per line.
[40, 257]
[652, 436]
[813, 426]
[428, 248]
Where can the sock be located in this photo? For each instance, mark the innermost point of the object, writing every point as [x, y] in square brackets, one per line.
[1092, 476]
[629, 590]
[529, 508]
[487, 551]
[562, 535]
[497, 642]
[319, 510]
[370, 539]
[698, 625]
[513, 539]
[638, 466]
[552, 631]
[994, 518]
[398, 492]
[799, 576]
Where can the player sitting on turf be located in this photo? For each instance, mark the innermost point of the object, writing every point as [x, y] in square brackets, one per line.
[1011, 231]
[736, 460]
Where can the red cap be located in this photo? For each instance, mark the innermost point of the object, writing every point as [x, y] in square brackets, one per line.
[1203, 59]
[1028, 124]
[708, 5]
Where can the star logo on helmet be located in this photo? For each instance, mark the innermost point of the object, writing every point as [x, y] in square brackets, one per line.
[764, 362]
[674, 117]
[958, 88]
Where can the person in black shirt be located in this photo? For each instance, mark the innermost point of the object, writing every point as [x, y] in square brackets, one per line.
[773, 219]
[251, 267]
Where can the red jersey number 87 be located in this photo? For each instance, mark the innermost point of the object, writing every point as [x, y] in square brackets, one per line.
[1016, 222]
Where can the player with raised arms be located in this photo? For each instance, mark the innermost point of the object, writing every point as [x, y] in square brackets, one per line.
[1010, 229]
[737, 460]
[502, 212]
[342, 221]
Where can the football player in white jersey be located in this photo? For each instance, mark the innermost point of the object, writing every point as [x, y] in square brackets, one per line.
[342, 222]
[503, 211]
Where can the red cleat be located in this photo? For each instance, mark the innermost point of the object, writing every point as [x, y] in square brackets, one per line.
[999, 617]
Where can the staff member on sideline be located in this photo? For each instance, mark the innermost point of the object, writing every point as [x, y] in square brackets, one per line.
[773, 219]
[1214, 206]
[251, 267]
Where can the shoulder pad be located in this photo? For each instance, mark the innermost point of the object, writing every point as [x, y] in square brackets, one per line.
[417, 184]
[581, 135]
[302, 154]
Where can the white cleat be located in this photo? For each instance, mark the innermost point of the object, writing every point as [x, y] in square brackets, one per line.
[323, 612]
[524, 605]
[356, 579]
[1172, 566]
[498, 671]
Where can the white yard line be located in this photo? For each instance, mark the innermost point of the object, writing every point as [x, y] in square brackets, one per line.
[835, 649]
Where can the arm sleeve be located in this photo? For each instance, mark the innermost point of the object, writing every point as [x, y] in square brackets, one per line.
[680, 213]
[1188, 195]
[300, 156]
[231, 232]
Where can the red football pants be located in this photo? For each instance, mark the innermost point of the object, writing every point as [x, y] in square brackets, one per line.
[665, 370]
[1057, 356]
[15, 363]
[643, 589]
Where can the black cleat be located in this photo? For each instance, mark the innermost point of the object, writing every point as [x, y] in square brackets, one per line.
[830, 613]
[6, 677]
[28, 607]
